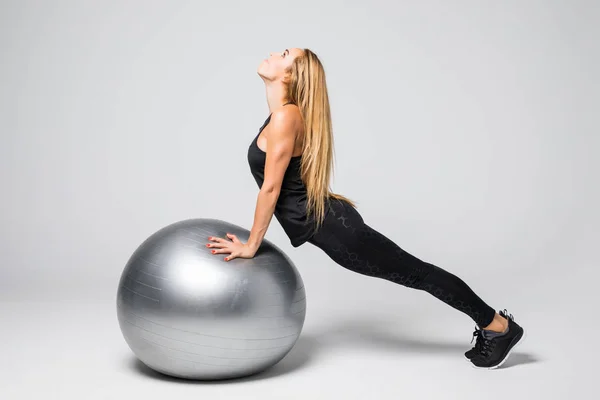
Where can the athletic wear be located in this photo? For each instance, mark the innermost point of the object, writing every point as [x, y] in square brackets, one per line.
[494, 347]
[354, 245]
[480, 334]
[477, 334]
[290, 209]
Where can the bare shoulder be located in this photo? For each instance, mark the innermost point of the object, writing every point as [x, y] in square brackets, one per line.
[286, 120]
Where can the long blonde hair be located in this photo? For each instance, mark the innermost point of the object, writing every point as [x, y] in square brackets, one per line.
[307, 88]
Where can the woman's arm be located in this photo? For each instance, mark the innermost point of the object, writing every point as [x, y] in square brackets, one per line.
[281, 137]
[280, 147]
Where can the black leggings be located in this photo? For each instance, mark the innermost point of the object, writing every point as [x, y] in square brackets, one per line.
[354, 245]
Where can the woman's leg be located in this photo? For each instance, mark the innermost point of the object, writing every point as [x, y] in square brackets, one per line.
[356, 246]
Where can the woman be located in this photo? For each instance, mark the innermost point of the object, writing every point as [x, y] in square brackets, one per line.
[291, 161]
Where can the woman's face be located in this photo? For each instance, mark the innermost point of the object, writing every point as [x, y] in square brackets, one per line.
[273, 68]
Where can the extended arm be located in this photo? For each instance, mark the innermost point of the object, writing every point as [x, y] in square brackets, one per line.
[280, 148]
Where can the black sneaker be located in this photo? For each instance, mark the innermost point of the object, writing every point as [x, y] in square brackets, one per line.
[479, 336]
[494, 350]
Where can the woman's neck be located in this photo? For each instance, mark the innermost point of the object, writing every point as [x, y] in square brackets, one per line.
[276, 95]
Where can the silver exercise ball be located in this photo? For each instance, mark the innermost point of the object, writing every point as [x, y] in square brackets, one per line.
[187, 313]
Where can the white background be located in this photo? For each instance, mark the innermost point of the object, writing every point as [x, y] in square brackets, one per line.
[467, 131]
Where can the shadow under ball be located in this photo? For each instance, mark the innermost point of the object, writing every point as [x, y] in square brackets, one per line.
[186, 312]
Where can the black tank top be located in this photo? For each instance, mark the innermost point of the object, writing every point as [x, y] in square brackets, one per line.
[290, 209]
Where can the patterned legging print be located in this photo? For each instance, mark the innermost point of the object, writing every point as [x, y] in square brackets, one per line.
[354, 245]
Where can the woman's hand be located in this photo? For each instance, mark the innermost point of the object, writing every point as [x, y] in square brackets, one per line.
[234, 247]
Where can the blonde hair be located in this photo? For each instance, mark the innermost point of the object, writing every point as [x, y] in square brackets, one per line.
[307, 88]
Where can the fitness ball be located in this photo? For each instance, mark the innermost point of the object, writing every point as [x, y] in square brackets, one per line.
[186, 312]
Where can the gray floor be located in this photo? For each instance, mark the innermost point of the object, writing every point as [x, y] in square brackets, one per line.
[351, 348]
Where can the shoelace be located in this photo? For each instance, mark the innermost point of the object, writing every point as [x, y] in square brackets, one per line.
[483, 346]
[487, 346]
[476, 334]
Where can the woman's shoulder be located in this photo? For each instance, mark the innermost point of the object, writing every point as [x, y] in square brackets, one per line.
[287, 114]
[286, 120]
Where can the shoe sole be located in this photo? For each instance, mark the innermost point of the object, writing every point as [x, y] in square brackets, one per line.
[519, 340]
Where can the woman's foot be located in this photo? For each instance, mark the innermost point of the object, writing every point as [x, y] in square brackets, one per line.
[499, 324]
[494, 346]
